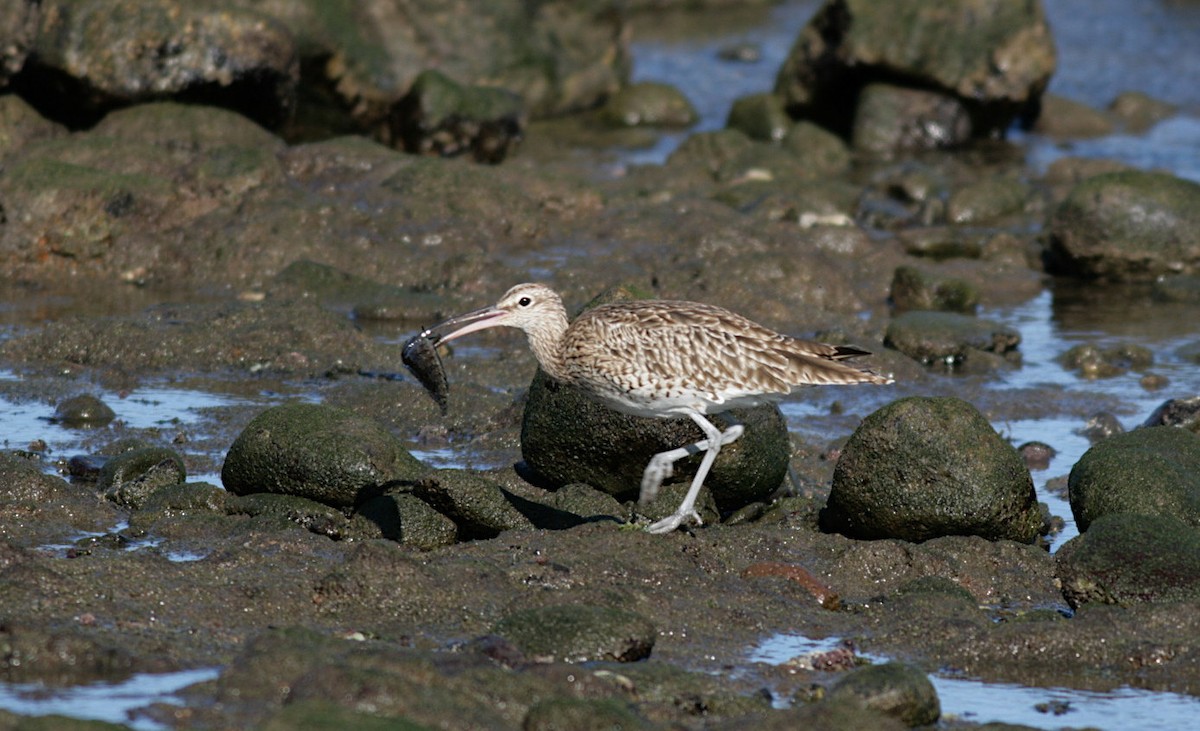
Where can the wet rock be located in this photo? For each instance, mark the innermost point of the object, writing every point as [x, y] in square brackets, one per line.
[1180, 412]
[437, 190]
[895, 689]
[191, 511]
[86, 466]
[649, 104]
[567, 437]
[1139, 111]
[920, 468]
[817, 148]
[477, 505]
[892, 118]
[1069, 171]
[1125, 558]
[949, 339]
[20, 124]
[999, 61]
[90, 57]
[18, 28]
[67, 201]
[1066, 119]
[83, 411]
[334, 678]
[282, 336]
[588, 503]
[986, 200]
[918, 289]
[282, 512]
[190, 496]
[557, 57]
[324, 453]
[579, 633]
[1037, 455]
[320, 713]
[1101, 425]
[1127, 226]
[940, 242]
[439, 116]
[761, 116]
[307, 278]
[61, 656]
[409, 520]
[711, 151]
[185, 129]
[1094, 362]
[1149, 471]
[583, 714]
[131, 478]
[38, 508]
[99, 202]
[842, 716]
[1177, 288]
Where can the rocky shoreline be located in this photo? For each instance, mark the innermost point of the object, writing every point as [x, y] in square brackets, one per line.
[210, 234]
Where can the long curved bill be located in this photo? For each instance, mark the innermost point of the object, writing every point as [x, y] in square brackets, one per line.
[469, 322]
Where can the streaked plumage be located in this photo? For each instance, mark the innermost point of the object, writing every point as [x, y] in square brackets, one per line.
[665, 358]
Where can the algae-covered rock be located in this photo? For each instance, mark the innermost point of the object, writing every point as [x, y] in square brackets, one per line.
[83, 411]
[130, 478]
[649, 104]
[579, 633]
[922, 467]
[1129, 225]
[893, 688]
[323, 453]
[1149, 471]
[439, 116]
[948, 338]
[477, 505]
[920, 289]
[994, 58]
[566, 437]
[102, 50]
[1125, 558]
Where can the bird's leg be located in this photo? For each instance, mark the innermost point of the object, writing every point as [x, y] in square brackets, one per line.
[661, 465]
[711, 446]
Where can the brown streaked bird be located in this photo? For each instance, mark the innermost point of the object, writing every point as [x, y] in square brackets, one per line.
[666, 359]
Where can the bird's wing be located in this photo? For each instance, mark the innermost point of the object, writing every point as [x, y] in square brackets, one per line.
[674, 345]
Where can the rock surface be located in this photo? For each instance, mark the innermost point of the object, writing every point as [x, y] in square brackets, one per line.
[1149, 471]
[1000, 60]
[319, 452]
[921, 468]
[1126, 558]
[1128, 226]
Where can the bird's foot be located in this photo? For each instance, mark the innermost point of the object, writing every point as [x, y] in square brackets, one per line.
[673, 521]
[656, 473]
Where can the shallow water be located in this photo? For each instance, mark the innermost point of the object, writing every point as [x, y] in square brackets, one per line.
[156, 409]
[111, 702]
[1045, 708]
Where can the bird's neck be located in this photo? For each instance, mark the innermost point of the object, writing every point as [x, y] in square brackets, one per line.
[546, 342]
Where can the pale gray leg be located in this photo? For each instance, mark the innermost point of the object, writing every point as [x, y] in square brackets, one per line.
[661, 465]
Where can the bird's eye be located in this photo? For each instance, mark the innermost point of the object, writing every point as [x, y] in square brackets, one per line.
[524, 302]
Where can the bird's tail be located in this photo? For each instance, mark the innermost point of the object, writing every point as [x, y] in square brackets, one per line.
[828, 366]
